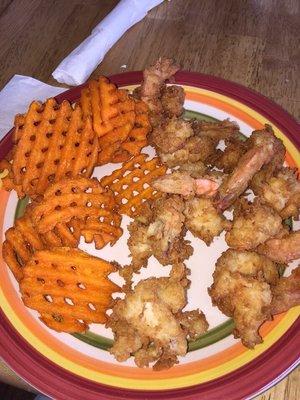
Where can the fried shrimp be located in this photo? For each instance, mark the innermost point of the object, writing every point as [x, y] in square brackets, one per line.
[264, 147]
[282, 250]
[159, 231]
[203, 220]
[172, 99]
[242, 289]
[154, 78]
[281, 191]
[215, 130]
[253, 224]
[150, 325]
[286, 294]
[227, 160]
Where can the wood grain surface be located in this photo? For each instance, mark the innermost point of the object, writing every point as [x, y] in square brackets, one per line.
[254, 42]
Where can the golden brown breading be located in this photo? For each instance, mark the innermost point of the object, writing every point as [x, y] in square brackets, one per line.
[159, 231]
[171, 135]
[253, 224]
[281, 191]
[203, 220]
[242, 290]
[149, 324]
[172, 99]
[228, 159]
[264, 148]
[286, 294]
[195, 170]
[215, 130]
[282, 250]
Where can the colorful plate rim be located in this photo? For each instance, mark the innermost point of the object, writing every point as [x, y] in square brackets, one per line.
[247, 381]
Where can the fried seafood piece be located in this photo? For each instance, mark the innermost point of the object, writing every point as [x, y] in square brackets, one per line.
[228, 159]
[242, 289]
[150, 325]
[215, 130]
[203, 219]
[281, 191]
[253, 224]
[264, 149]
[154, 78]
[171, 135]
[286, 294]
[180, 182]
[282, 250]
[195, 170]
[172, 99]
[159, 230]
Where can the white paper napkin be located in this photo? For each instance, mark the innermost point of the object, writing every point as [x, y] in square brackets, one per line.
[16, 96]
[78, 65]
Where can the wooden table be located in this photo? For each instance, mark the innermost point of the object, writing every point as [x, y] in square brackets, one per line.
[253, 42]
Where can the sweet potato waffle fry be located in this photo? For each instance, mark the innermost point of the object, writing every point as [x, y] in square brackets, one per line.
[51, 141]
[69, 288]
[120, 122]
[83, 201]
[137, 138]
[108, 106]
[131, 183]
[22, 240]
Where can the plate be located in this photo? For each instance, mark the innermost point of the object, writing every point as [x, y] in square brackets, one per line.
[217, 366]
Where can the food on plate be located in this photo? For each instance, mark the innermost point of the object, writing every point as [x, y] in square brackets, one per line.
[252, 225]
[131, 183]
[281, 191]
[282, 250]
[264, 149]
[227, 159]
[200, 170]
[3, 174]
[149, 322]
[84, 200]
[69, 288]
[181, 182]
[286, 293]
[51, 141]
[203, 220]
[22, 240]
[154, 78]
[159, 230]
[120, 122]
[242, 289]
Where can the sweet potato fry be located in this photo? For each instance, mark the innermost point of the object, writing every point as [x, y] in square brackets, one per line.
[131, 183]
[69, 288]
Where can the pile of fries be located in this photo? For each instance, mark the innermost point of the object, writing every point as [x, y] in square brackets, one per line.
[55, 150]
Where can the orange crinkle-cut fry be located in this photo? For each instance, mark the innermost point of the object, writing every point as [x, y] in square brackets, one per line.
[69, 288]
[131, 183]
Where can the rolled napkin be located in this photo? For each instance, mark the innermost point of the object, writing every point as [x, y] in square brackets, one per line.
[78, 65]
[16, 96]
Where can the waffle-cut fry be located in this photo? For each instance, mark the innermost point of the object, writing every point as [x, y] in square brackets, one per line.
[51, 141]
[69, 288]
[6, 180]
[22, 240]
[137, 138]
[83, 206]
[131, 183]
[3, 175]
[108, 107]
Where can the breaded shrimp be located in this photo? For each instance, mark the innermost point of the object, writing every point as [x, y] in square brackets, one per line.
[286, 294]
[282, 250]
[253, 224]
[242, 289]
